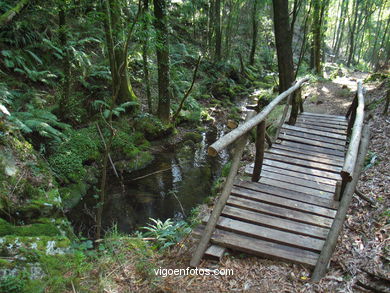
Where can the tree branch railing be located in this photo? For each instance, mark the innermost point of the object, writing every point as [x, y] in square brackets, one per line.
[355, 126]
[353, 165]
[239, 135]
[232, 136]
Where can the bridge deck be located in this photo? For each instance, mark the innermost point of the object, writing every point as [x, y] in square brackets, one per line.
[288, 213]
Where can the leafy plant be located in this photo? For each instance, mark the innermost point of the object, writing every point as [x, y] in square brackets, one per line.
[41, 121]
[166, 233]
[12, 284]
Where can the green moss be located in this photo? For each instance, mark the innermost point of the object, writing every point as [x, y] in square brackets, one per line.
[150, 126]
[68, 158]
[193, 136]
[47, 229]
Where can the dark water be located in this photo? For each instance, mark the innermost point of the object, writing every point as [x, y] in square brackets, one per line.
[174, 183]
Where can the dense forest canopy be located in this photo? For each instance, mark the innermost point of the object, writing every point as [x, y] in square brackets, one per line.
[93, 91]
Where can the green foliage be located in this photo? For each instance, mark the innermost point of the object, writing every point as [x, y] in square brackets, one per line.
[166, 233]
[370, 160]
[70, 154]
[12, 284]
[39, 121]
[149, 125]
[28, 230]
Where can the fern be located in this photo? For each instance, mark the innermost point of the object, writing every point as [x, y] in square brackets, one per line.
[42, 122]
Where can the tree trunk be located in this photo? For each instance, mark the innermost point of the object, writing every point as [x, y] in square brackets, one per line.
[125, 93]
[218, 31]
[340, 29]
[145, 49]
[316, 42]
[254, 32]
[352, 34]
[283, 39]
[162, 51]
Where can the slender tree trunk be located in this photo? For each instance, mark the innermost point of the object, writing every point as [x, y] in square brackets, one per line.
[338, 16]
[125, 89]
[352, 34]
[162, 51]
[210, 24]
[218, 31]
[340, 29]
[145, 49]
[303, 46]
[254, 32]
[374, 55]
[316, 42]
[382, 50]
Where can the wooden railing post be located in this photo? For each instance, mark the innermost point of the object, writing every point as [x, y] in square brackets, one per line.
[220, 204]
[352, 114]
[294, 109]
[260, 139]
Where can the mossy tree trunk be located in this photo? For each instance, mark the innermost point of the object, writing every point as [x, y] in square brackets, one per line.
[162, 51]
[145, 49]
[115, 46]
[10, 14]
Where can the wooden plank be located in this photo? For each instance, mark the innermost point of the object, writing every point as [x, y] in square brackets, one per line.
[283, 202]
[302, 162]
[312, 148]
[322, 124]
[281, 212]
[215, 252]
[313, 154]
[293, 154]
[323, 115]
[314, 137]
[316, 132]
[321, 128]
[298, 181]
[264, 248]
[275, 222]
[320, 180]
[269, 234]
[315, 200]
[305, 170]
[324, 121]
[292, 186]
[311, 142]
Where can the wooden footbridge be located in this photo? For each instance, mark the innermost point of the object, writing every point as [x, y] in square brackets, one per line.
[295, 204]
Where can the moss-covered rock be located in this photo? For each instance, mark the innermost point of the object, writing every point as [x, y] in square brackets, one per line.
[12, 245]
[193, 136]
[38, 229]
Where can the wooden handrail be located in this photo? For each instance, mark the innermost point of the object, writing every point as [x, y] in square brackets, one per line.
[353, 148]
[244, 128]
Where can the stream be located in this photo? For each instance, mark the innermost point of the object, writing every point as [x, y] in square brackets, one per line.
[173, 184]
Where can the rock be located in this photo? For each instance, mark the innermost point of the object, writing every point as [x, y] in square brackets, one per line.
[344, 86]
[231, 124]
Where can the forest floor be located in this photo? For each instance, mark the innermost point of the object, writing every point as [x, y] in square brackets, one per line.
[361, 259]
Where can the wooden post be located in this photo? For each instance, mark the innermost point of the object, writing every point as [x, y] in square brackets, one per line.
[353, 105]
[331, 240]
[294, 109]
[283, 118]
[351, 156]
[337, 192]
[217, 210]
[260, 144]
[299, 93]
